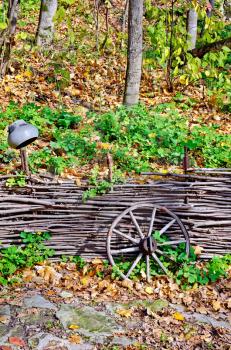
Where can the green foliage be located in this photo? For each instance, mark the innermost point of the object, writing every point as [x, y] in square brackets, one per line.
[17, 181]
[213, 67]
[216, 268]
[14, 258]
[184, 269]
[141, 136]
[78, 260]
[138, 138]
[101, 185]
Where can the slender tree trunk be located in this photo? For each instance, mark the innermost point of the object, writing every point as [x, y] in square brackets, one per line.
[227, 9]
[45, 30]
[169, 79]
[134, 56]
[124, 20]
[7, 39]
[210, 8]
[192, 28]
[97, 5]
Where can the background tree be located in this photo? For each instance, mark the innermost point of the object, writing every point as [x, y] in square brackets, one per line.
[227, 9]
[45, 30]
[192, 28]
[7, 36]
[134, 53]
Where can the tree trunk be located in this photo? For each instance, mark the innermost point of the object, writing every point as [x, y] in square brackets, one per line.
[7, 39]
[210, 8]
[134, 55]
[45, 30]
[192, 28]
[227, 9]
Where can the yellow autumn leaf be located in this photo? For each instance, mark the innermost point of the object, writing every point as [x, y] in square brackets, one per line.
[149, 290]
[124, 312]
[7, 88]
[216, 305]
[28, 73]
[178, 316]
[73, 326]
[84, 281]
[105, 146]
[103, 284]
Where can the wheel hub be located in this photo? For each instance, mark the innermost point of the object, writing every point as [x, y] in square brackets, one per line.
[148, 245]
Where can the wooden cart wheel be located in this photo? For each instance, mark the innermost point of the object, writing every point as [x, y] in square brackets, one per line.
[130, 236]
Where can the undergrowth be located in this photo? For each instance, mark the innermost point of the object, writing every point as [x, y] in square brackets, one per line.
[139, 139]
[14, 258]
[185, 270]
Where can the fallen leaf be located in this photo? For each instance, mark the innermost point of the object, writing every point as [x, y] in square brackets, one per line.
[5, 347]
[49, 274]
[103, 284]
[85, 269]
[75, 338]
[198, 250]
[124, 312]
[178, 316]
[17, 341]
[73, 326]
[216, 305]
[97, 261]
[149, 290]
[229, 303]
[4, 319]
[28, 275]
[138, 286]
[202, 310]
[187, 300]
[127, 284]
[112, 290]
[85, 281]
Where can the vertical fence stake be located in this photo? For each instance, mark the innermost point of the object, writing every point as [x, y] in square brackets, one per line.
[24, 161]
[185, 167]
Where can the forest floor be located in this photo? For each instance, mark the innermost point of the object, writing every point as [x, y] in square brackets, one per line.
[55, 310]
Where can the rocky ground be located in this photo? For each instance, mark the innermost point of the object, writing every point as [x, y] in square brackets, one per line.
[57, 319]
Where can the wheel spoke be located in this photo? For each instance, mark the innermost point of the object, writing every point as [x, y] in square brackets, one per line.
[125, 250]
[136, 224]
[148, 268]
[166, 227]
[171, 242]
[155, 257]
[134, 264]
[126, 236]
[152, 222]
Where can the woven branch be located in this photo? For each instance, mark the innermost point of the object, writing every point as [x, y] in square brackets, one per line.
[78, 228]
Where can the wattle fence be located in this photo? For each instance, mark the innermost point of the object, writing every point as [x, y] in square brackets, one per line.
[202, 202]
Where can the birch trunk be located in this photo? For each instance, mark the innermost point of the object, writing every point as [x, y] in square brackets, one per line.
[134, 57]
[7, 38]
[45, 31]
[192, 28]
